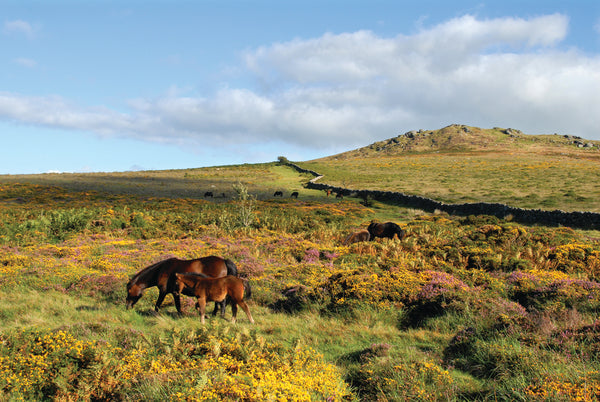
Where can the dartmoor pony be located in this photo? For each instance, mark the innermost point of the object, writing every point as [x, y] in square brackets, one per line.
[162, 275]
[215, 289]
[361, 235]
[388, 229]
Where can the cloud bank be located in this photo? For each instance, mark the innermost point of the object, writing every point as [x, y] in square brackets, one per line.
[344, 90]
[19, 27]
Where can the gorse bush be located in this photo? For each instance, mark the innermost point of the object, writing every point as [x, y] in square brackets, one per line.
[197, 365]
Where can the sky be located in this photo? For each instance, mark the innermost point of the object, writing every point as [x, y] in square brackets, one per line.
[107, 85]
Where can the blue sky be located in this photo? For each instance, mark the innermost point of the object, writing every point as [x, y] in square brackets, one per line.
[127, 85]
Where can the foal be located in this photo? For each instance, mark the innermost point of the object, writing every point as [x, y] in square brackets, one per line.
[214, 289]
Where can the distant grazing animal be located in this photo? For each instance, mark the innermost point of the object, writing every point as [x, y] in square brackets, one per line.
[339, 195]
[162, 275]
[328, 192]
[361, 235]
[208, 194]
[215, 289]
[388, 229]
[294, 194]
[278, 194]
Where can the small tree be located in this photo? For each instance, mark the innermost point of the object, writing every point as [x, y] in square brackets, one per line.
[246, 203]
[283, 160]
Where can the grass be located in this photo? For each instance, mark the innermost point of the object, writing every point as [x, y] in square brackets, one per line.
[262, 180]
[471, 308]
[535, 181]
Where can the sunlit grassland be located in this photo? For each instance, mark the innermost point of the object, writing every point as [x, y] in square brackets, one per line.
[470, 308]
[547, 179]
[261, 180]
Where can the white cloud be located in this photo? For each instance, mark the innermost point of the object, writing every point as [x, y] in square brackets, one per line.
[25, 62]
[346, 90]
[19, 27]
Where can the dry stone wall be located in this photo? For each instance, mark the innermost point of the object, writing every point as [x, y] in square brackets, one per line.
[581, 220]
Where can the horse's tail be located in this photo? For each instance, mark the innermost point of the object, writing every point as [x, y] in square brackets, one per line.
[247, 289]
[231, 268]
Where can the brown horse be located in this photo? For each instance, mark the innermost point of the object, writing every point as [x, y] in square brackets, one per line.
[361, 235]
[388, 229]
[162, 275]
[215, 289]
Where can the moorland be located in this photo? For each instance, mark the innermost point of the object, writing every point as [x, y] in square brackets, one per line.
[461, 308]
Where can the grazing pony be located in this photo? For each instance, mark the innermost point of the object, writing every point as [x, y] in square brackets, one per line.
[388, 229]
[361, 235]
[215, 289]
[294, 194]
[208, 194]
[162, 275]
[278, 194]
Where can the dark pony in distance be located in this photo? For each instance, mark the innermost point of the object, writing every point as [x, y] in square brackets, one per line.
[388, 229]
[215, 289]
[162, 275]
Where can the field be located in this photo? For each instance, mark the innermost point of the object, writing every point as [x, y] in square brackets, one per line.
[530, 172]
[471, 308]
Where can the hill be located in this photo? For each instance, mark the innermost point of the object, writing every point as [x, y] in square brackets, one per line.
[462, 164]
[461, 138]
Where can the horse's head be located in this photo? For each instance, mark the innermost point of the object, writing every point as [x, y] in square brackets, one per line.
[183, 281]
[134, 293]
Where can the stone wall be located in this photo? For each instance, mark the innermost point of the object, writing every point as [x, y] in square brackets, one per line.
[582, 220]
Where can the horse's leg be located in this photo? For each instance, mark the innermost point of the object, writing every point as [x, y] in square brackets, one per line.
[161, 298]
[244, 307]
[218, 305]
[177, 299]
[233, 311]
[201, 305]
[222, 305]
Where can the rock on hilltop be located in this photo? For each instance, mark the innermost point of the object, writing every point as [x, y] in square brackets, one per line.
[462, 138]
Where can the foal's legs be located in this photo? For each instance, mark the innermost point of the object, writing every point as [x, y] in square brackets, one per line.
[201, 306]
[233, 311]
[244, 307]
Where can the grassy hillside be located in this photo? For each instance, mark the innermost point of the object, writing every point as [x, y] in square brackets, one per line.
[261, 180]
[460, 164]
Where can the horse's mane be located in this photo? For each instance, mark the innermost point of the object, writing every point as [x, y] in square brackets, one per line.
[149, 269]
[200, 274]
